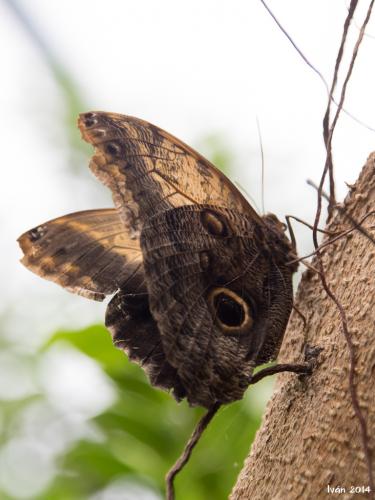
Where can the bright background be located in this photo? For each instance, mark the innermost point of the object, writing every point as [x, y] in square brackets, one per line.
[78, 421]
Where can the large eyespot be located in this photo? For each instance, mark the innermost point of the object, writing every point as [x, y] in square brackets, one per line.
[113, 148]
[231, 312]
[214, 223]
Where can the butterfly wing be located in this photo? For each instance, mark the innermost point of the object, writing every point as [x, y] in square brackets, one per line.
[201, 300]
[91, 254]
[150, 171]
[204, 257]
[220, 300]
[135, 331]
[88, 253]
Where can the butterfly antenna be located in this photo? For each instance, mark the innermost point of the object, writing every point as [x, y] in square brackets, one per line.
[262, 157]
[184, 458]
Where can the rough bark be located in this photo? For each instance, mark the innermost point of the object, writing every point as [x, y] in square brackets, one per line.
[310, 437]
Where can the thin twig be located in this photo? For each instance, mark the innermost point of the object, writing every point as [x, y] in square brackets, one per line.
[296, 46]
[326, 119]
[357, 226]
[327, 128]
[291, 232]
[369, 35]
[184, 458]
[301, 315]
[328, 139]
[311, 66]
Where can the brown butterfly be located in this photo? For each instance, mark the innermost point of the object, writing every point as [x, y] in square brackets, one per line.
[203, 286]
[202, 283]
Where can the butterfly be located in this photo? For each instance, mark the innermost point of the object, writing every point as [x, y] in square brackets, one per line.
[201, 284]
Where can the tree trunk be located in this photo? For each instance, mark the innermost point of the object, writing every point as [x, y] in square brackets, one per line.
[310, 438]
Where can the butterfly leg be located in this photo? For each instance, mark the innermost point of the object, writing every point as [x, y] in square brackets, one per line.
[291, 232]
[303, 369]
[311, 354]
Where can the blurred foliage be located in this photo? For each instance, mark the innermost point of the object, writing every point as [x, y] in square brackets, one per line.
[214, 147]
[73, 104]
[72, 101]
[144, 433]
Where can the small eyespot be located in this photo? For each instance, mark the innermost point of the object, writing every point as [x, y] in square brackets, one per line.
[230, 311]
[37, 233]
[90, 120]
[113, 148]
[214, 223]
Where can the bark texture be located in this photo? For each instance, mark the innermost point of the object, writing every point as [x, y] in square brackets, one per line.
[310, 437]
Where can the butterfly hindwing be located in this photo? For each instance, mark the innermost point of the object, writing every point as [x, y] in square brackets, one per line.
[135, 331]
[213, 293]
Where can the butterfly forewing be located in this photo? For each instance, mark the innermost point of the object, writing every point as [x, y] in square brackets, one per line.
[88, 253]
[150, 171]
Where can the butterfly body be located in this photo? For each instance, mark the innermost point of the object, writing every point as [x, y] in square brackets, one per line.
[203, 283]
